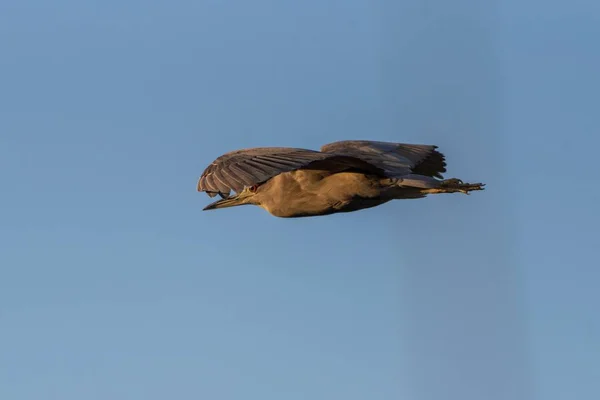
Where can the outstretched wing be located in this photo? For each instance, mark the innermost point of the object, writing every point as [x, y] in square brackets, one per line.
[394, 158]
[242, 168]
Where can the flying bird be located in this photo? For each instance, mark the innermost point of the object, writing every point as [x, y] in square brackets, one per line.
[343, 176]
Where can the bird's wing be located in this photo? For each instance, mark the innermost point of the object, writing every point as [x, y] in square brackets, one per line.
[393, 158]
[242, 168]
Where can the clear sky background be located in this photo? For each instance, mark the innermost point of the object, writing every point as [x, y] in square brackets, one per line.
[115, 285]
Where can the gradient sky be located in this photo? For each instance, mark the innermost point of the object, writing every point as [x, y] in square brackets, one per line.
[115, 285]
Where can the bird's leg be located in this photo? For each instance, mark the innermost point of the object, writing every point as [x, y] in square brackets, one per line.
[454, 185]
[451, 182]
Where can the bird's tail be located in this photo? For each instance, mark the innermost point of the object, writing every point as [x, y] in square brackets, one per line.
[418, 182]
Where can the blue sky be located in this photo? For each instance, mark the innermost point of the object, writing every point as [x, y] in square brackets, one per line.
[114, 283]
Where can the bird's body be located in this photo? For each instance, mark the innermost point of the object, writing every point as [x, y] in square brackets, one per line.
[343, 177]
[317, 192]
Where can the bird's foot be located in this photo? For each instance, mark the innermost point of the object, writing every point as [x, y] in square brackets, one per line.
[456, 185]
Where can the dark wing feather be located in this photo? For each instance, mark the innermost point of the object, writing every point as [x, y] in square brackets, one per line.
[242, 168]
[394, 158]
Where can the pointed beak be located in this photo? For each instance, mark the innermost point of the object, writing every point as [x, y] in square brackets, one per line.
[228, 202]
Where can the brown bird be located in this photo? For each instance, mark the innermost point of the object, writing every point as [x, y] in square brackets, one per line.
[343, 176]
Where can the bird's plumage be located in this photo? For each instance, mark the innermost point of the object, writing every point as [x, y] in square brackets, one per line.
[396, 159]
[343, 176]
[244, 168]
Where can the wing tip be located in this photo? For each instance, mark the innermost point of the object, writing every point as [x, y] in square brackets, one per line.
[200, 188]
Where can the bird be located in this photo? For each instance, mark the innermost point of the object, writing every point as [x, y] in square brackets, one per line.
[341, 177]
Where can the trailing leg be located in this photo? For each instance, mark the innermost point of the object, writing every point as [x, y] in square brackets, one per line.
[454, 185]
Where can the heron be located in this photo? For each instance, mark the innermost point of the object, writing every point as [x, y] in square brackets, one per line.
[341, 177]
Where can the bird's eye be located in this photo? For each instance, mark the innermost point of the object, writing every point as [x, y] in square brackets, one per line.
[253, 188]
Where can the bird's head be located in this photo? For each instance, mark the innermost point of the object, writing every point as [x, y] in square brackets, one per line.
[246, 196]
